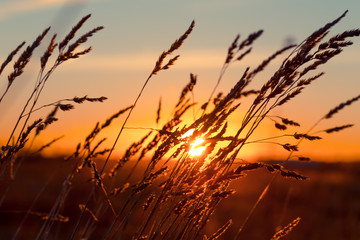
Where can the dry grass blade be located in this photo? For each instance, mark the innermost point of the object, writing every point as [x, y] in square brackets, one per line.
[341, 106]
[268, 60]
[280, 126]
[130, 152]
[82, 208]
[188, 88]
[339, 128]
[289, 122]
[306, 136]
[86, 98]
[25, 57]
[70, 51]
[29, 129]
[158, 63]
[177, 44]
[48, 120]
[231, 49]
[83, 38]
[304, 159]
[65, 107]
[11, 151]
[148, 201]
[344, 35]
[114, 116]
[99, 182]
[250, 39]
[317, 34]
[78, 54]
[49, 144]
[71, 34]
[289, 147]
[170, 63]
[285, 231]
[58, 218]
[303, 82]
[292, 174]
[220, 231]
[48, 52]
[290, 95]
[158, 112]
[240, 57]
[10, 57]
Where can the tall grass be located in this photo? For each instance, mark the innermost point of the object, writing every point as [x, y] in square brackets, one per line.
[168, 184]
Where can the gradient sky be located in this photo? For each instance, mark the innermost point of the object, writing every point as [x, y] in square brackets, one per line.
[137, 31]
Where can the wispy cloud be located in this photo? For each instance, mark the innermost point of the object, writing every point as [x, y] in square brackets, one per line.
[15, 7]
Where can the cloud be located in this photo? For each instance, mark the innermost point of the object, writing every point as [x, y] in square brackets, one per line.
[14, 7]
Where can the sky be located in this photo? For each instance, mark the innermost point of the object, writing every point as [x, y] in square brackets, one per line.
[135, 34]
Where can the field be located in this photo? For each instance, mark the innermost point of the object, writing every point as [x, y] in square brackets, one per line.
[328, 203]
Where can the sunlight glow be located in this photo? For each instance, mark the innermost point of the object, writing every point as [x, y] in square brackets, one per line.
[188, 133]
[196, 149]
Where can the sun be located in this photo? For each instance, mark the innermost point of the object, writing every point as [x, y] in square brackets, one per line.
[196, 148]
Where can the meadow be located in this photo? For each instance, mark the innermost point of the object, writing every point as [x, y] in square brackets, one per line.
[327, 203]
[184, 179]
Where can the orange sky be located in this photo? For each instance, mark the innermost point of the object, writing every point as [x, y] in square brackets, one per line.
[125, 53]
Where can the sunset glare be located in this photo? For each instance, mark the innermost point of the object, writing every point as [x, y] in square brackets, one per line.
[196, 148]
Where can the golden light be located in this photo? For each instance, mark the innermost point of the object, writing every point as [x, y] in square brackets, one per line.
[195, 147]
[188, 133]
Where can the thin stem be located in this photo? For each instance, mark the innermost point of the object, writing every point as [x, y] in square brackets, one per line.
[263, 140]
[222, 72]
[7, 89]
[254, 207]
[271, 181]
[124, 123]
[28, 212]
[110, 152]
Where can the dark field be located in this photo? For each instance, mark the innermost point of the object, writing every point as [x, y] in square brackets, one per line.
[328, 204]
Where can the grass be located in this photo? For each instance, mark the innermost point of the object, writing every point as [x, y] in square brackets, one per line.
[170, 183]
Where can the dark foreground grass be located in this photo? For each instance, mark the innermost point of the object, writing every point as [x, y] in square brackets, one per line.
[328, 204]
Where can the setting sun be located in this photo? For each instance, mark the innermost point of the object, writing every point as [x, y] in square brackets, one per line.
[196, 148]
